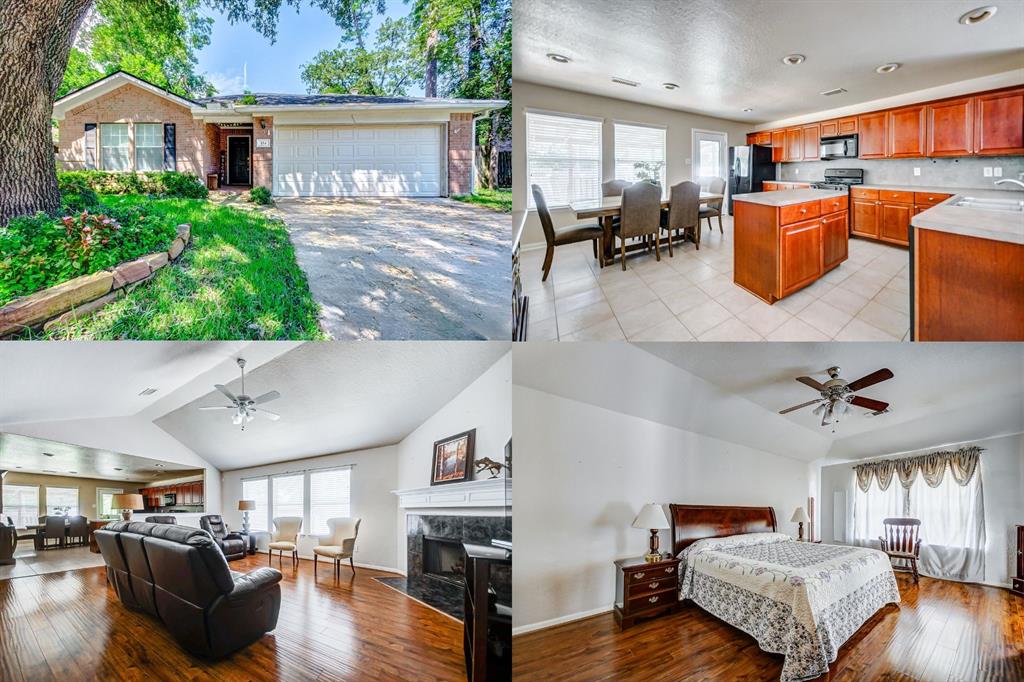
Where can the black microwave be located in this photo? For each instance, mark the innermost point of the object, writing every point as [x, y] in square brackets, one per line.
[839, 147]
[170, 499]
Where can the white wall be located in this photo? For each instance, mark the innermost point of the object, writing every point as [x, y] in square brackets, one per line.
[485, 405]
[1002, 479]
[588, 472]
[678, 143]
[373, 479]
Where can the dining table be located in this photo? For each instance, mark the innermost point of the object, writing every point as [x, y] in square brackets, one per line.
[606, 209]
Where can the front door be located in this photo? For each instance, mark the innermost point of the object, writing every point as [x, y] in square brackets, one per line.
[238, 160]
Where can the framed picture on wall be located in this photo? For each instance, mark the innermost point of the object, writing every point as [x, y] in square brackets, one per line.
[453, 457]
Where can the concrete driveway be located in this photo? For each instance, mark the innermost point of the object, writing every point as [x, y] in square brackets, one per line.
[404, 268]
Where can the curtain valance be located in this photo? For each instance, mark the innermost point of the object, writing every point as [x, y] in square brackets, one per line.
[962, 464]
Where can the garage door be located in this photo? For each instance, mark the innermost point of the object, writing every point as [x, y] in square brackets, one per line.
[357, 161]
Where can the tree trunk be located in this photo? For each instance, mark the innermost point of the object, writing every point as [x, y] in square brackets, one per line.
[430, 77]
[35, 39]
[492, 142]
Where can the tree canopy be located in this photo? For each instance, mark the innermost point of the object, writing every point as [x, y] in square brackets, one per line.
[387, 69]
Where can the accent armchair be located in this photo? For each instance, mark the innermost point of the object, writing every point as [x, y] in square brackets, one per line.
[339, 544]
[286, 538]
[231, 544]
[902, 543]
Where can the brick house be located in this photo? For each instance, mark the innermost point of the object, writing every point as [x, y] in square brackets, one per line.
[294, 145]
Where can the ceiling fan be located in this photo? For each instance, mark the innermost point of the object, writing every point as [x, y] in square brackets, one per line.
[837, 395]
[243, 405]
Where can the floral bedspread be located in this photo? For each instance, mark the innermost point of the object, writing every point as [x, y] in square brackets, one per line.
[799, 599]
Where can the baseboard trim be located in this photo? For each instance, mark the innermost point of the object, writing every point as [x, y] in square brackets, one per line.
[561, 620]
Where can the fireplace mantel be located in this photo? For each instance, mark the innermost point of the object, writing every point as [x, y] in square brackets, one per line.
[485, 493]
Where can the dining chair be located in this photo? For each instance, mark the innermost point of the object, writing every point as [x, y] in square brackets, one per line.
[902, 542]
[339, 544]
[641, 216]
[683, 212]
[571, 234]
[714, 206]
[613, 188]
[54, 530]
[24, 536]
[286, 537]
[78, 530]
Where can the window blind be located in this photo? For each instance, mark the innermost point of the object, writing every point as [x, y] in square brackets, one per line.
[638, 144]
[289, 495]
[149, 146]
[21, 503]
[114, 147]
[57, 498]
[257, 489]
[563, 157]
[329, 496]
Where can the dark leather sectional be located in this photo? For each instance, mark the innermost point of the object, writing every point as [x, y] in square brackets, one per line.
[180, 576]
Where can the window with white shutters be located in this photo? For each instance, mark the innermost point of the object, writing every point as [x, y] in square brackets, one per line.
[257, 490]
[563, 157]
[637, 144]
[289, 495]
[329, 494]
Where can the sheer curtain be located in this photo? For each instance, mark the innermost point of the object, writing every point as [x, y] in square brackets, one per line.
[952, 528]
[871, 507]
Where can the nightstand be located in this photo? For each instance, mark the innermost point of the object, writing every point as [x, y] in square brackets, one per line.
[644, 589]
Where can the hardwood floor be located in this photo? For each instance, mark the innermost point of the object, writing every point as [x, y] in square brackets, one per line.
[71, 626]
[941, 631]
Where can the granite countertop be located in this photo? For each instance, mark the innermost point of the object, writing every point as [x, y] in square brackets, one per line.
[786, 197]
[1003, 226]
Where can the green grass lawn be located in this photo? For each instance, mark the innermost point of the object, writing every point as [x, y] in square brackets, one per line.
[238, 279]
[496, 199]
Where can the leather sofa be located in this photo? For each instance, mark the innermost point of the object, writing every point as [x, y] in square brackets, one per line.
[164, 518]
[232, 544]
[180, 576]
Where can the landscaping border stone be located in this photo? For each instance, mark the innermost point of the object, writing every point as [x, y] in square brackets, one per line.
[82, 296]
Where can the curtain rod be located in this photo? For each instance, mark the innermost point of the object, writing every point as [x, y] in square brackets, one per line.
[923, 454]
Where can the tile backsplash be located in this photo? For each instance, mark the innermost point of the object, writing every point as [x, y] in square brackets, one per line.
[960, 173]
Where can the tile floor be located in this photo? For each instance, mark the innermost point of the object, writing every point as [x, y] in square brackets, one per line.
[691, 297]
[33, 562]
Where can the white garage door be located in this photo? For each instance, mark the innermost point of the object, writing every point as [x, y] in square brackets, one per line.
[357, 161]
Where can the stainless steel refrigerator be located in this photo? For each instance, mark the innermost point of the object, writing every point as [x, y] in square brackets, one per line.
[749, 166]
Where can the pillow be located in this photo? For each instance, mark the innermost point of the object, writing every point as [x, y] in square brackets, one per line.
[743, 540]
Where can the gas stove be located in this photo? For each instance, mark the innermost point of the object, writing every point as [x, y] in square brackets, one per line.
[840, 179]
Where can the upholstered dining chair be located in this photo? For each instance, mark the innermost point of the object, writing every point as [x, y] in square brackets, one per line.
[613, 188]
[339, 544]
[713, 207]
[286, 538]
[78, 530]
[569, 234]
[54, 530]
[641, 216]
[683, 212]
[902, 542]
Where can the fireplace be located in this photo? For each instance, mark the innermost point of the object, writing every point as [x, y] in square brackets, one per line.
[444, 559]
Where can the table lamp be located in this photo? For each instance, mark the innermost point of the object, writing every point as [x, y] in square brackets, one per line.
[246, 506]
[652, 517]
[127, 502]
[800, 517]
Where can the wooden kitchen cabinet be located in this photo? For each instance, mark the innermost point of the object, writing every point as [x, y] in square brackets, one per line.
[794, 144]
[906, 132]
[799, 255]
[835, 239]
[999, 123]
[848, 125]
[864, 212]
[764, 137]
[812, 142]
[778, 145]
[950, 127]
[895, 222]
[830, 128]
[872, 135]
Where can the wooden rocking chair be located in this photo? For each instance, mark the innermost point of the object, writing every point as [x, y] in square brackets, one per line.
[902, 543]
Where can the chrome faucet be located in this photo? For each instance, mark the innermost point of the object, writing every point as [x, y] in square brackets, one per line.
[1016, 182]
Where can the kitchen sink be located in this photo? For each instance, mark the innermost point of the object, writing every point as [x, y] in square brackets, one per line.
[991, 204]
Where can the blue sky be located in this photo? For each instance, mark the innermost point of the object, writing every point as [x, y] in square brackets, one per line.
[276, 68]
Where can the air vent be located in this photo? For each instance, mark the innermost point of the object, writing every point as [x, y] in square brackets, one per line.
[148, 391]
[829, 93]
[48, 454]
[624, 81]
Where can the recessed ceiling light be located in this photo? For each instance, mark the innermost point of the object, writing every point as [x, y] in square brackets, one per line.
[976, 16]
[747, 110]
[670, 86]
[888, 68]
[117, 469]
[624, 81]
[793, 59]
[560, 58]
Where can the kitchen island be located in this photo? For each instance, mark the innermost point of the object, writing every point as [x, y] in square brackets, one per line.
[967, 268]
[786, 239]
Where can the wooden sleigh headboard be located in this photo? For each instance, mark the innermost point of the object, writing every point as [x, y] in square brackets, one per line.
[692, 522]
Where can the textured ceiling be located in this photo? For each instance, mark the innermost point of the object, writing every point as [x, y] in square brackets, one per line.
[726, 54]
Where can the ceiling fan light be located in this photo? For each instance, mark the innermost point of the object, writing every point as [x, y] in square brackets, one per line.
[819, 409]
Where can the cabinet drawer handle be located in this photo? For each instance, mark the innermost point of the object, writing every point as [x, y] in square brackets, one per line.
[638, 576]
[654, 585]
[803, 210]
[670, 569]
[653, 599]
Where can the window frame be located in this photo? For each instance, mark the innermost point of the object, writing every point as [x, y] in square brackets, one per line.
[128, 146]
[100, 492]
[267, 523]
[528, 113]
[348, 502]
[78, 499]
[663, 176]
[34, 515]
[134, 141]
[307, 511]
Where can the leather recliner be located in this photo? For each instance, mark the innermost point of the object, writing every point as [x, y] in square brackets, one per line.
[232, 544]
[179, 575]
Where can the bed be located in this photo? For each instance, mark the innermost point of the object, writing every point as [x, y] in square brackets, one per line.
[798, 599]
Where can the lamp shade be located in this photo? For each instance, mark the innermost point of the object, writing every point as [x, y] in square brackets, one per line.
[652, 516]
[247, 505]
[127, 501]
[800, 516]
